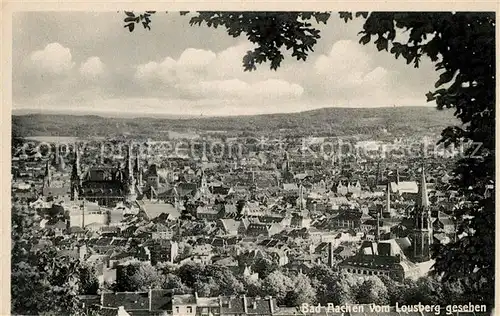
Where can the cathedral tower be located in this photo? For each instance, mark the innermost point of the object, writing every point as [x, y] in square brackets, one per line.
[388, 199]
[422, 232]
[75, 176]
[129, 173]
[48, 175]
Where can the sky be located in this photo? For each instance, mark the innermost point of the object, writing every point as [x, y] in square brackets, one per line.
[87, 62]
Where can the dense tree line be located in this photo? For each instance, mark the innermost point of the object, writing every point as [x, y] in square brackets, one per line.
[324, 122]
[321, 284]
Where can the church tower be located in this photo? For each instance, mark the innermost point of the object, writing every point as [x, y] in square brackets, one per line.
[48, 176]
[378, 177]
[75, 176]
[285, 168]
[301, 198]
[138, 170]
[203, 183]
[59, 160]
[422, 232]
[130, 180]
[388, 199]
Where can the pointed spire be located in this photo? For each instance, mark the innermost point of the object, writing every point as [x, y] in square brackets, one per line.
[137, 166]
[61, 165]
[56, 156]
[128, 166]
[388, 198]
[301, 196]
[423, 198]
[76, 173]
[48, 175]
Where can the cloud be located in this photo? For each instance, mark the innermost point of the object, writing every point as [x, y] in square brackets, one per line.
[53, 59]
[92, 68]
[163, 72]
[195, 59]
[348, 65]
[198, 74]
[237, 89]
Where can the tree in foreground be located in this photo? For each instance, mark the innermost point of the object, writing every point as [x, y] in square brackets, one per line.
[42, 282]
[462, 47]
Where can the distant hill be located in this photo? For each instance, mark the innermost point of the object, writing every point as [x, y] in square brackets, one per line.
[321, 122]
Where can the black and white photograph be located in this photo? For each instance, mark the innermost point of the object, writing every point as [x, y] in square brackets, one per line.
[252, 163]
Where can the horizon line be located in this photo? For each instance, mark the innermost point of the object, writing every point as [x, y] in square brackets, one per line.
[131, 115]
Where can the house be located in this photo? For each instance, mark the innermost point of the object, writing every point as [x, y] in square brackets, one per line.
[354, 187]
[243, 305]
[268, 230]
[162, 250]
[184, 305]
[160, 231]
[153, 302]
[348, 219]
[206, 306]
[290, 187]
[228, 226]
[229, 211]
[243, 226]
[443, 223]
[380, 258]
[253, 209]
[206, 213]
[83, 213]
[159, 302]
[279, 256]
[157, 210]
[57, 226]
[300, 220]
[341, 187]
[406, 187]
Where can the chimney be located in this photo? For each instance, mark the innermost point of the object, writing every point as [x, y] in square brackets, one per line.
[254, 304]
[245, 306]
[388, 199]
[271, 305]
[83, 214]
[377, 236]
[196, 297]
[150, 297]
[330, 254]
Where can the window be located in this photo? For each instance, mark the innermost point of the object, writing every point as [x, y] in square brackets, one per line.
[189, 309]
[177, 309]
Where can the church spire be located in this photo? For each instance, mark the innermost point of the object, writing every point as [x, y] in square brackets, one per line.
[423, 198]
[76, 173]
[388, 198]
[128, 166]
[301, 196]
[138, 170]
[75, 176]
[48, 176]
